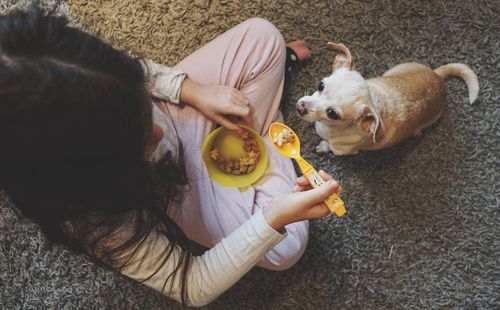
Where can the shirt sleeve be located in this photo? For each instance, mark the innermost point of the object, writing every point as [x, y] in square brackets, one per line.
[210, 274]
[164, 82]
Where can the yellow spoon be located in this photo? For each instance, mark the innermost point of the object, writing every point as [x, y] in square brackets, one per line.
[292, 150]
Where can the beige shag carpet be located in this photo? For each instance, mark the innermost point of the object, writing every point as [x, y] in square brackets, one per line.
[423, 223]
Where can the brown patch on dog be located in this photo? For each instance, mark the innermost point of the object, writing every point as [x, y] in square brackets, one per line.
[414, 99]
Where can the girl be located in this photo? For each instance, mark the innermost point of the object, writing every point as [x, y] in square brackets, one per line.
[102, 150]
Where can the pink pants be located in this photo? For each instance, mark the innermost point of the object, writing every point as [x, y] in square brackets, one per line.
[251, 58]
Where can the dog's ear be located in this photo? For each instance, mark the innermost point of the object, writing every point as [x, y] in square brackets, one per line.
[343, 58]
[369, 122]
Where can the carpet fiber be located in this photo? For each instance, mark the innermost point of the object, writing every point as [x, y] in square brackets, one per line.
[423, 224]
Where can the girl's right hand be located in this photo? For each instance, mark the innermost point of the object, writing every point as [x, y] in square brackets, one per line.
[219, 103]
[303, 204]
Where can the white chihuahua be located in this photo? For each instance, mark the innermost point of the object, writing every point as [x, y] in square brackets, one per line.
[354, 114]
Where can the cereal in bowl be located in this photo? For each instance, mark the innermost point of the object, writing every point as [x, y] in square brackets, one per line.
[243, 165]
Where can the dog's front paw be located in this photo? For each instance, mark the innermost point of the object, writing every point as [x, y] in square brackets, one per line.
[323, 147]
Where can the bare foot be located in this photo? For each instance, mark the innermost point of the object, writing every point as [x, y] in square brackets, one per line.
[300, 48]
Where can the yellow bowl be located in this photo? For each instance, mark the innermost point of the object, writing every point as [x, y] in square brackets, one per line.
[230, 144]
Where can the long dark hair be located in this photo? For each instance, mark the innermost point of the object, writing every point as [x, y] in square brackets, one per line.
[75, 122]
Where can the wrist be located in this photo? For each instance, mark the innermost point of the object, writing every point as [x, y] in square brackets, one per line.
[190, 92]
[273, 218]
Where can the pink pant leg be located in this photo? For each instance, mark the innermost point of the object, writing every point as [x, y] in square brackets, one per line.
[250, 57]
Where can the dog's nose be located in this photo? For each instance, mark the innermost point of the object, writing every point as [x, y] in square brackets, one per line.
[301, 108]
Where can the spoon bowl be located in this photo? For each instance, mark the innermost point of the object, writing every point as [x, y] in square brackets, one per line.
[290, 150]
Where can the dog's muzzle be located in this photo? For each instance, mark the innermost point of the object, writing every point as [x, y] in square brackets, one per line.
[301, 108]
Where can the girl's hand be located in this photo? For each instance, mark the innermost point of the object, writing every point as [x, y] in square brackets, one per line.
[217, 102]
[303, 185]
[303, 204]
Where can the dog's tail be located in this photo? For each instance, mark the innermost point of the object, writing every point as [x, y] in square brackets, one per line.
[461, 71]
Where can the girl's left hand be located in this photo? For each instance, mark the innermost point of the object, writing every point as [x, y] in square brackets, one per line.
[303, 204]
[217, 102]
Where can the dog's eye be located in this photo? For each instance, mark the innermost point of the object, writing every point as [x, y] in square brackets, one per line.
[332, 114]
[321, 86]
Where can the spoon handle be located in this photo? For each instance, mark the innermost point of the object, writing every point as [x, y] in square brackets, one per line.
[334, 202]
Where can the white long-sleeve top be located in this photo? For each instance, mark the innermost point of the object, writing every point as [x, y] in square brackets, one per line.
[212, 273]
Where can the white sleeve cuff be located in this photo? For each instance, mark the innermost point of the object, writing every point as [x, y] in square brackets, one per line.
[164, 82]
[264, 230]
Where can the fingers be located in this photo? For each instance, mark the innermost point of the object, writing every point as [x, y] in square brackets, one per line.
[240, 111]
[302, 181]
[224, 122]
[319, 194]
[298, 188]
[234, 109]
[239, 98]
[237, 105]
[241, 106]
[248, 119]
[325, 175]
[318, 211]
